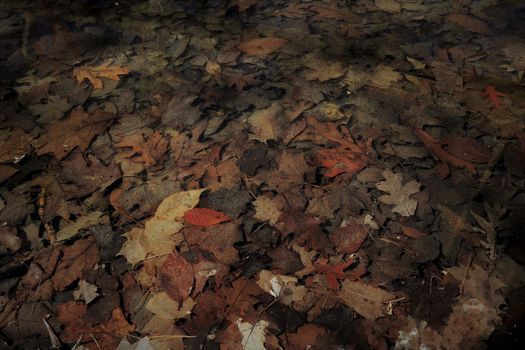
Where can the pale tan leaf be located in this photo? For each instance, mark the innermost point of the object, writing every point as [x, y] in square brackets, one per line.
[165, 307]
[261, 46]
[399, 194]
[86, 291]
[368, 301]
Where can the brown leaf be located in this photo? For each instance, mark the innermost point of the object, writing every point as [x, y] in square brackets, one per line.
[470, 23]
[348, 239]
[14, 145]
[176, 277]
[338, 161]
[77, 260]
[148, 149]
[435, 147]
[77, 130]
[261, 46]
[368, 301]
[332, 271]
[86, 174]
[9, 238]
[94, 73]
[467, 149]
[217, 239]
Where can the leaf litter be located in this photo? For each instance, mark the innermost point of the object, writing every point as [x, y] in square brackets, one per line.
[261, 175]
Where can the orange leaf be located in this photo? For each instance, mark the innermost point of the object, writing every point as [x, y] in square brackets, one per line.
[205, 217]
[338, 161]
[93, 74]
[493, 95]
[261, 46]
[331, 271]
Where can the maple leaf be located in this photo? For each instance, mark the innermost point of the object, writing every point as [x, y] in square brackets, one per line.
[332, 271]
[204, 217]
[159, 235]
[93, 74]
[399, 194]
[77, 130]
[338, 161]
[261, 46]
[148, 149]
[443, 156]
[493, 95]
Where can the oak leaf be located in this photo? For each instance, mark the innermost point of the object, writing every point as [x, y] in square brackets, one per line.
[399, 194]
[94, 73]
[261, 46]
[204, 217]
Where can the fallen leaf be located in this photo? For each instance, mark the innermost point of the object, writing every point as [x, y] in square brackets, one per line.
[261, 46]
[391, 6]
[167, 308]
[218, 240]
[467, 149]
[253, 336]
[9, 238]
[83, 175]
[399, 194]
[94, 73]
[443, 156]
[159, 234]
[205, 217]
[86, 291]
[176, 277]
[267, 209]
[348, 239]
[469, 23]
[286, 288]
[332, 271]
[82, 223]
[368, 301]
[148, 149]
[267, 124]
[323, 70]
[14, 145]
[77, 130]
[338, 161]
[493, 95]
[77, 260]
[384, 76]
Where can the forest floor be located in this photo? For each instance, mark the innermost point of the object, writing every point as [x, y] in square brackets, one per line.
[262, 174]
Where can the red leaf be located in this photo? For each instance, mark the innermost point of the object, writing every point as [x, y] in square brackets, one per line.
[176, 277]
[205, 217]
[338, 161]
[493, 95]
[332, 272]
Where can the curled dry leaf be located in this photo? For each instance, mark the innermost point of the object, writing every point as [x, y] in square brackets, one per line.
[286, 288]
[261, 46]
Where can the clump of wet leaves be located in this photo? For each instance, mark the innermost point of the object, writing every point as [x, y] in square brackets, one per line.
[253, 175]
